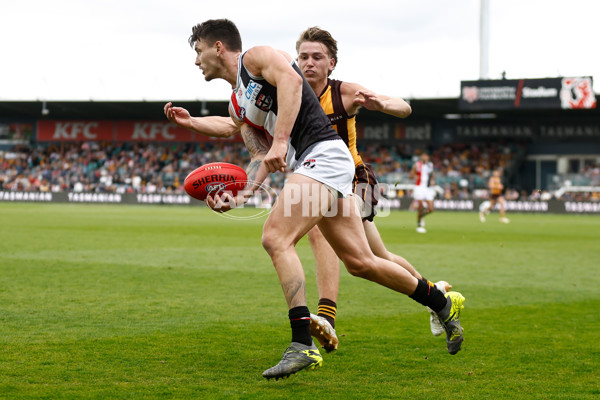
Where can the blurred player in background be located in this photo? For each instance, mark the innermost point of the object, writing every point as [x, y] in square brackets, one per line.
[283, 125]
[496, 189]
[423, 194]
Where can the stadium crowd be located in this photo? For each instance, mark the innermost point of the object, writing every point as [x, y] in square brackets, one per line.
[109, 167]
[461, 170]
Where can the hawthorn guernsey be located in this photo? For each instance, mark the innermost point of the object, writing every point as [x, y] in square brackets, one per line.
[215, 178]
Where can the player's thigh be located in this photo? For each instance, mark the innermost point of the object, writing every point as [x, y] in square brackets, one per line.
[345, 233]
[299, 207]
[419, 193]
[430, 205]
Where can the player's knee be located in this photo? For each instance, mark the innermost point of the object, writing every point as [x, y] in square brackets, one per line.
[359, 267]
[276, 242]
[269, 242]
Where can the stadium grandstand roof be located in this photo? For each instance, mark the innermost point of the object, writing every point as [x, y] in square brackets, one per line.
[146, 110]
[153, 110]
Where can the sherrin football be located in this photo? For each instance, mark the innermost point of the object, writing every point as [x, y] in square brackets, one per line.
[215, 178]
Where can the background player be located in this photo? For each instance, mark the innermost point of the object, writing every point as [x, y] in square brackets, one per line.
[423, 194]
[496, 189]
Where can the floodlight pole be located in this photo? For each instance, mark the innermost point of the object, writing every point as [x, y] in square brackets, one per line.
[484, 39]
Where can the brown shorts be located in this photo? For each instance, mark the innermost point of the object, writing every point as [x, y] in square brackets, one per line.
[495, 197]
[363, 186]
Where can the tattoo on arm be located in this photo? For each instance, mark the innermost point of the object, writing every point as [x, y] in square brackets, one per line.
[258, 145]
[256, 141]
[252, 170]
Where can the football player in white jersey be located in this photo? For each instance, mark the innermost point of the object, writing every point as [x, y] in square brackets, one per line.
[423, 194]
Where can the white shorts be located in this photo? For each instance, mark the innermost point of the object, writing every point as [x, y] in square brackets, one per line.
[330, 163]
[423, 193]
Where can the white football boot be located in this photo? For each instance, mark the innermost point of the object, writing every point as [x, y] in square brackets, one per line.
[322, 330]
[436, 326]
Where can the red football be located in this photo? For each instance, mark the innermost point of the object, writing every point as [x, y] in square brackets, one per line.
[215, 178]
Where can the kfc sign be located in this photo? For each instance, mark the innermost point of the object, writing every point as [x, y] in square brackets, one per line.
[120, 131]
[145, 131]
[60, 131]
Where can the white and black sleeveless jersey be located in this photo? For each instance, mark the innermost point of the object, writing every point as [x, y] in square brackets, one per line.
[424, 171]
[254, 101]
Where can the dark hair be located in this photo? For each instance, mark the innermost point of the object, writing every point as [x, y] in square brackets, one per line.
[316, 34]
[213, 30]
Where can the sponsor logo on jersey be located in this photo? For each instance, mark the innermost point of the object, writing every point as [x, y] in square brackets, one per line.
[264, 102]
[309, 163]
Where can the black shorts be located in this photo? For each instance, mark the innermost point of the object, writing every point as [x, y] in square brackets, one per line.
[363, 186]
[495, 197]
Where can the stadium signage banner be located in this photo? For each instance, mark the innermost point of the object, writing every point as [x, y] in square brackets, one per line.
[120, 131]
[390, 133]
[43, 197]
[163, 198]
[76, 197]
[509, 94]
[482, 130]
[132, 131]
[462, 205]
[570, 131]
[16, 133]
[582, 207]
[61, 131]
[540, 207]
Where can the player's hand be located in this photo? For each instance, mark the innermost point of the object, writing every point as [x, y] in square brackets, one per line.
[178, 115]
[225, 201]
[368, 100]
[275, 158]
[221, 203]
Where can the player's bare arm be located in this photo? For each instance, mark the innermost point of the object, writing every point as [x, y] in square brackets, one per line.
[356, 96]
[275, 67]
[214, 126]
[413, 172]
[258, 146]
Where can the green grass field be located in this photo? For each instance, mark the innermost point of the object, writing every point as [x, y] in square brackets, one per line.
[145, 302]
